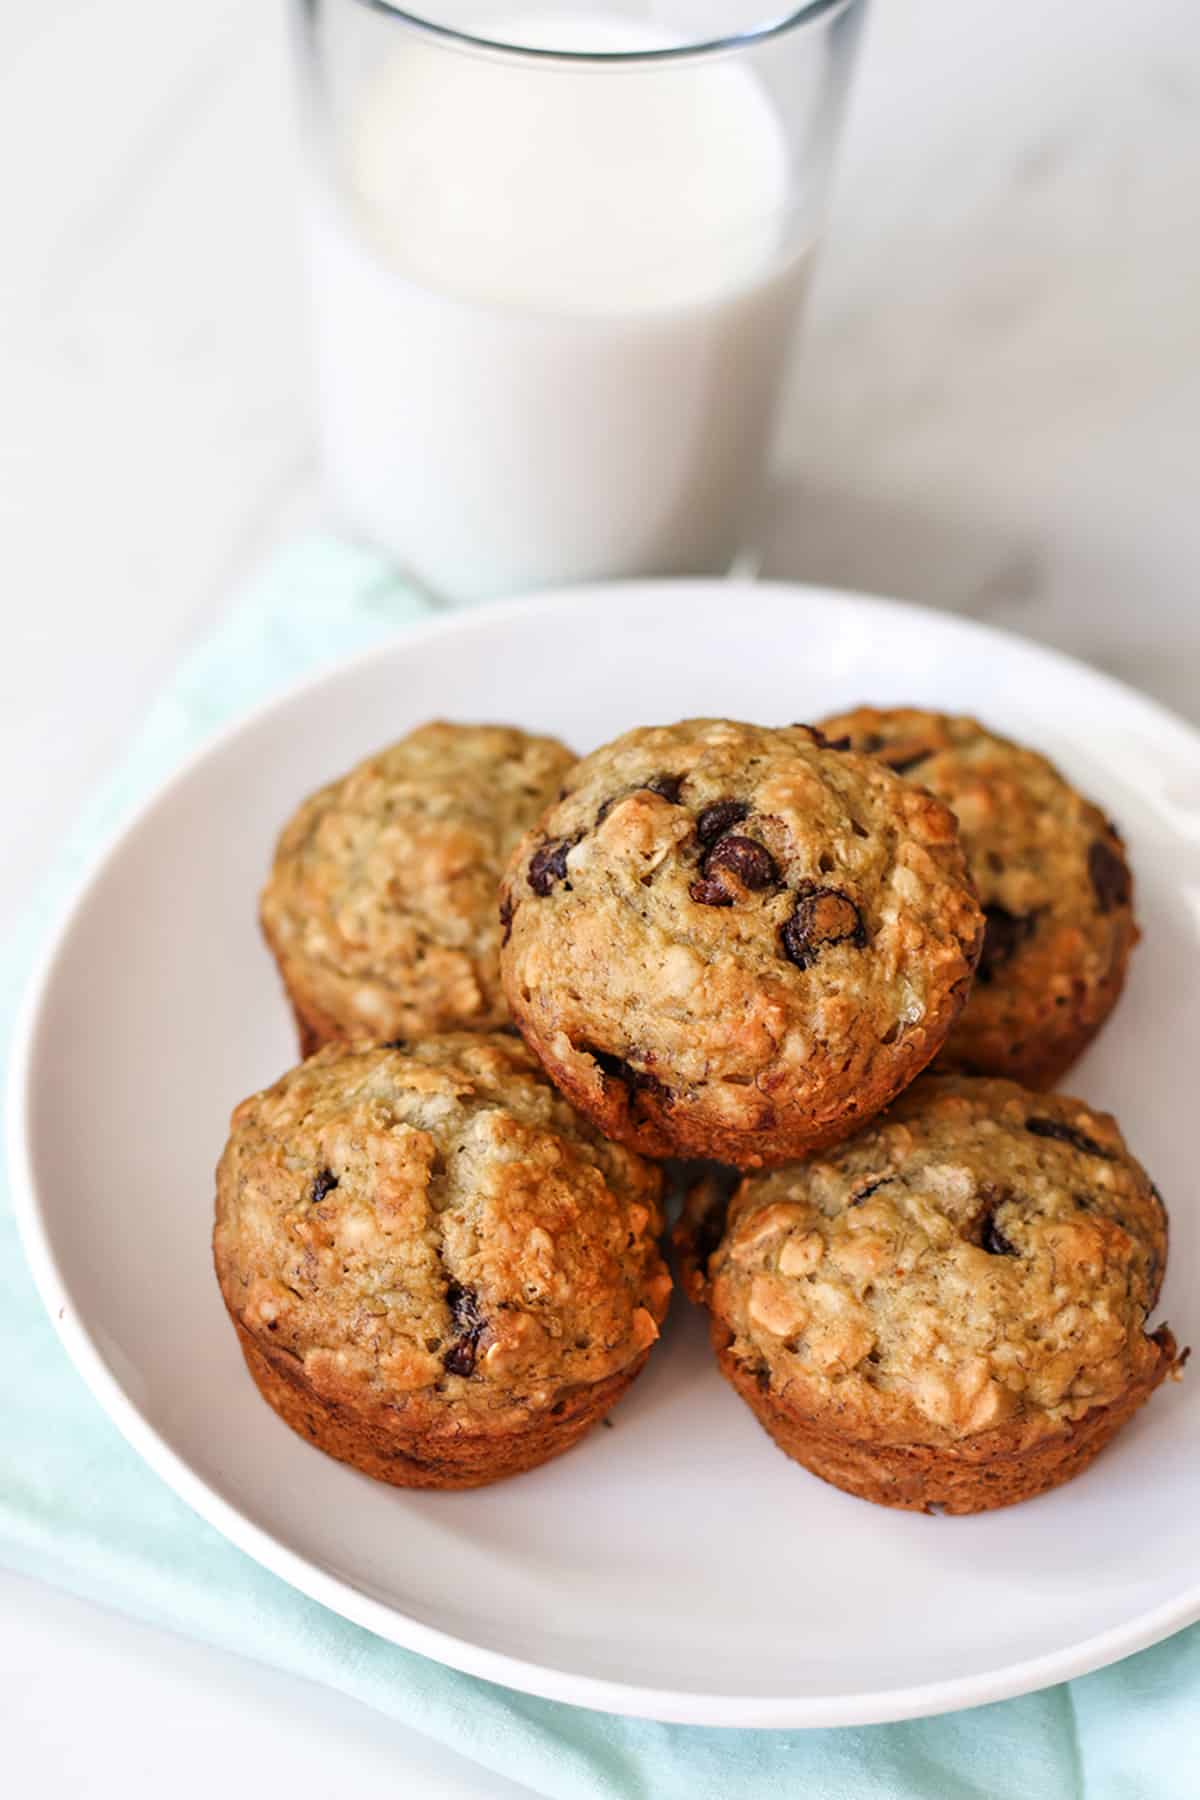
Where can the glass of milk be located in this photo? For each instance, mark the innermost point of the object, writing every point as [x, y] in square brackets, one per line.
[558, 253]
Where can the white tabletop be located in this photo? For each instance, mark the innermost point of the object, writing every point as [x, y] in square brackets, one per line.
[996, 410]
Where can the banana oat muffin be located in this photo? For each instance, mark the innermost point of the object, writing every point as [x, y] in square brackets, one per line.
[730, 941]
[381, 905]
[1052, 876]
[437, 1272]
[951, 1309]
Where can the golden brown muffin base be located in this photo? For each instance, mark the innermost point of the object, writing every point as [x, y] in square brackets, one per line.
[446, 1458]
[1041, 1066]
[1051, 997]
[636, 1113]
[772, 1017]
[314, 1029]
[991, 1471]
[380, 904]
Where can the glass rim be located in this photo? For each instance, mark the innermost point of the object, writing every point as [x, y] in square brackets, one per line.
[811, 12]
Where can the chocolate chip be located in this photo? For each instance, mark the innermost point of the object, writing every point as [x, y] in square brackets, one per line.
[323, 1184]
[470, 1324]
[710, 893]
[636, 1082]
[715, 820]
[823, 916]
[396, 1044]
[750, 861]
[548, 866]
[1003, 934]
[1109, 876]
[993, 1240]
[872, 1187]
[900, 756]
[985, 1232]
[1067, 1134]
[507, 910]
[615, 1068]
[464, 1306]
[460, 1358]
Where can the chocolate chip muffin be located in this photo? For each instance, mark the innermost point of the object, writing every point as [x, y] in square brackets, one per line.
[1052, 876]
[437, 1272]
[381, 905]
[735, 942]
[950, 1310]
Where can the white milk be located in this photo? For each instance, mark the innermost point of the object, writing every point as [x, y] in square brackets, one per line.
[553, 306]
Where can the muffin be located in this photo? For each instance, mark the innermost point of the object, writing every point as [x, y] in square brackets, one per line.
[1051, 873]
[733, 942]
[436, 1271]
[951, 1310]
[381, 906]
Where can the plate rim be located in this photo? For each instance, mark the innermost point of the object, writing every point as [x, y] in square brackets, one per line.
[340, 1595]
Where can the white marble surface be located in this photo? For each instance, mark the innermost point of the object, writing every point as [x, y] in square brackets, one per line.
[997, 409]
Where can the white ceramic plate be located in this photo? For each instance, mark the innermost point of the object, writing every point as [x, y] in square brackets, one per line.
[676, 1566]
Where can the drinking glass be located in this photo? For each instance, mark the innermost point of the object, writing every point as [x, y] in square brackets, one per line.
[557, 255]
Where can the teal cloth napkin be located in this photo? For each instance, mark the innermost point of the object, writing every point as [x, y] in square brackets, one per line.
[79, 1509]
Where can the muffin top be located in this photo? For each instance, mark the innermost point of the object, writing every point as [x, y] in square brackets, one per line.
[980, 1257]
[433, 1228]
[1052, 876]
[381, 905]
[733, 941]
